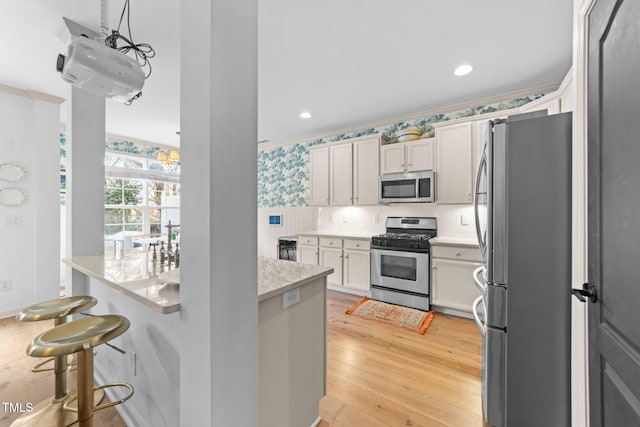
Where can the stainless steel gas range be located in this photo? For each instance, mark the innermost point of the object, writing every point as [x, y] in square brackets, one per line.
[400, 263]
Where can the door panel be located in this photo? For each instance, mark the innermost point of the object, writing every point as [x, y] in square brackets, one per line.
[614, 222]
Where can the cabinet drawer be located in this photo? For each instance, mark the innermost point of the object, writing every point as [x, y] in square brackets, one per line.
[456, 252]
[308, 240]
[363, 245]
[330, 242]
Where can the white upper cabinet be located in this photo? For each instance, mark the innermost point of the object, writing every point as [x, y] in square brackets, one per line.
[319, 168]
[454, 164]
[419, 155]
[411, 156]
[365, 171]
[346, 172]
[341, 174]
[392, 158]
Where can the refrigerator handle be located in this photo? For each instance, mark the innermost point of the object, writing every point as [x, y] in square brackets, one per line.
[481, 239]
[476, 316]
[479, 283]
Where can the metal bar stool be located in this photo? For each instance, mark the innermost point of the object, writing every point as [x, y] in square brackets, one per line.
[50, 412]
[80, 336]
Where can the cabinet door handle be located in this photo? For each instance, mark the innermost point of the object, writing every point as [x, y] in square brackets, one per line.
[433, 267]
[457, 253]
[346, 256]
[357, 245]
[331, 243]
[410, 164]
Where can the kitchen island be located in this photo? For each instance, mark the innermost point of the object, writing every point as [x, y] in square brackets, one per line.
[291, 313]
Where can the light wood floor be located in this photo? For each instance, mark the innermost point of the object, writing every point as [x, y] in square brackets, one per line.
[379, 375]
[19, 384]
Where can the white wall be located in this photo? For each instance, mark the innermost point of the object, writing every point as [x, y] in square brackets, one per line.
[30, 248]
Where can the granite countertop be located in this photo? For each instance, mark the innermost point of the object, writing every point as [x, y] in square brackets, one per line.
[277, 276]
[134, 275]
[338, 234]
[454, 241]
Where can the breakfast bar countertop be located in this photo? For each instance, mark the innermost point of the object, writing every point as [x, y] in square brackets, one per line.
[133, 274]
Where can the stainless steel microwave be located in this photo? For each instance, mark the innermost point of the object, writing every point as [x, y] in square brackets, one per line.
[415, 187]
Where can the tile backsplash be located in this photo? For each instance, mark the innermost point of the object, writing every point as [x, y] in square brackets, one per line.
[453, 221]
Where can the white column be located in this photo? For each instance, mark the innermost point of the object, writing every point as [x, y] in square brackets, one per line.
[85, 181]
[218, 292]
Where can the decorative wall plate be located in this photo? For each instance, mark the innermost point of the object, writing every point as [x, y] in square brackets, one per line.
[12, 173]
[11, 196]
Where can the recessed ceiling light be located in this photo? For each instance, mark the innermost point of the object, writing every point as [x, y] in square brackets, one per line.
[305, 114]
[463, 70]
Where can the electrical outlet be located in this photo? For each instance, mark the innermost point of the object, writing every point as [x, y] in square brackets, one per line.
[6, 285]
[290, 298]
[131, 361]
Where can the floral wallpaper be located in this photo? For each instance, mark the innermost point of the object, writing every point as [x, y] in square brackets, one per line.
[283, 172]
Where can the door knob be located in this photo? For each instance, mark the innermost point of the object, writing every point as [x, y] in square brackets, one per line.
[588, 291]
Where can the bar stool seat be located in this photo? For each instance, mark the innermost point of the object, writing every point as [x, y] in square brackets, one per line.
[50, 412]
[80, 336]
[56, 308]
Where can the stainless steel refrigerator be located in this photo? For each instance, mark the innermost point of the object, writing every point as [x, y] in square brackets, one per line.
[523, 220]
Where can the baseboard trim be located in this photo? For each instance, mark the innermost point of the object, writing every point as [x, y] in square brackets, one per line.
[316, 422]
[350, 291]
[451, 311]
[126, 412]
[9, 313]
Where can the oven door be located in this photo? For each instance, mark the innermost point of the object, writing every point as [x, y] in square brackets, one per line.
[406, 271]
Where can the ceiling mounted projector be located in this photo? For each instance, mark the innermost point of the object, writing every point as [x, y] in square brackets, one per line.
[101, 70]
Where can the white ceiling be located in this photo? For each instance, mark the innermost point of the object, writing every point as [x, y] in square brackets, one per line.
[348, 63]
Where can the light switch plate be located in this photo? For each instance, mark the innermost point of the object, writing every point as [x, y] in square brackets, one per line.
[290, 298]
[13, 221]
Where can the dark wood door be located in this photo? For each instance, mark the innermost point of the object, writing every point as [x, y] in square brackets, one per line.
[614, 212]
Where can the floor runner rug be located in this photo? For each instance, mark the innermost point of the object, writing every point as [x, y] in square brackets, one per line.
[394, 315]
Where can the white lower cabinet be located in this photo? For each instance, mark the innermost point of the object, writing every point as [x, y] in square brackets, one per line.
[357, 270]
[308, 254]
[452, 287]
[332, 257]
[349, 258]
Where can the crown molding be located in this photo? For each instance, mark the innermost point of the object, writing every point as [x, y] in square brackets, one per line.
[31, 94]
[450, 108]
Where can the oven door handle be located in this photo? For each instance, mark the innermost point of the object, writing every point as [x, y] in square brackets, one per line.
[476, 317]
[482, 286]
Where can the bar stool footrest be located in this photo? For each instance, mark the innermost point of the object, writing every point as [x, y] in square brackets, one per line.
[104, 405]
[38, 368]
